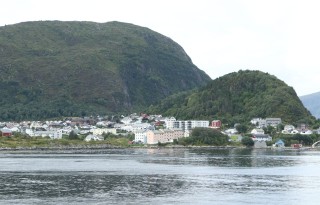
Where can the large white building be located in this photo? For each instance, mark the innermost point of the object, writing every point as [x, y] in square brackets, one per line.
[53, 134]
[169, 122]
[140, 136]
[172, 123]
[274, 122]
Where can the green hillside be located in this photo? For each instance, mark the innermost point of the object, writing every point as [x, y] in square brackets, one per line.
[52, 68]
[237, 97]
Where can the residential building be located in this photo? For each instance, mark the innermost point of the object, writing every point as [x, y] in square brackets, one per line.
[231, 131]
[289, 128]
[163, 136]
[93, 138]
[274, 122]
[261, 137]
[188, 125]
[257, 131]
[279, 143]
[126, 120]
[172, 123]
[6, 132]
[306, 132]
[169, 122]
[255, 121]
[136, 127]
[262, 123]
[216, 124]
[260, 140]
[100, 131]
[140, 136]
[53, 134]
[302, 127]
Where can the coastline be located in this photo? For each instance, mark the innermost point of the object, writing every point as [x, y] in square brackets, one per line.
[108, 146]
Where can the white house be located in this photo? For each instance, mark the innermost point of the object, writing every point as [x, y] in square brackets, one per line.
[100, 131]
[126, 120]
[255, 121]
[286, 132]
[93, 138]
[136, 127]
[15, 129]
[231, 131]
[36, 124]
[257, 131]
[306, 132]
[289, 128]
[261, 137]
[260, 140]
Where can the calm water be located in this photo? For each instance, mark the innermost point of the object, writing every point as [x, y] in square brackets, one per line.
[165, 176]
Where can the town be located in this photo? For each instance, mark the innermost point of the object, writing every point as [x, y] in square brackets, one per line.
[155, 129]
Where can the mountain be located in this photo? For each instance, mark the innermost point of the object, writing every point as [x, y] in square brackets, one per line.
[53, 68]
[237, 97]
[312, 103]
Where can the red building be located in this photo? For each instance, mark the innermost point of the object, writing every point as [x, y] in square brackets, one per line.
[216, 124]
[6, 132]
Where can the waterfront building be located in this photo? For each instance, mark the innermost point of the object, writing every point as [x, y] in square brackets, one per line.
[140, 136]
[53, 134]
[163, 135]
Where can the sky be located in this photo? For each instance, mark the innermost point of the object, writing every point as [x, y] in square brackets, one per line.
[281, 37]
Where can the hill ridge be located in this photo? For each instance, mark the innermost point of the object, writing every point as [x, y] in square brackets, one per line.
[238, 97]
[54, 68]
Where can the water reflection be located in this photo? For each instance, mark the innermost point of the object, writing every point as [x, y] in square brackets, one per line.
[159, 176]
[114, 187]
[224, 157]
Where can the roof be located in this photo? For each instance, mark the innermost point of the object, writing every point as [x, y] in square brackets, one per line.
[279, 142]
[6, 130]
[260, 135]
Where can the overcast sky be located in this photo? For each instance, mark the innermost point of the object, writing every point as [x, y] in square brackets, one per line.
[281, 37]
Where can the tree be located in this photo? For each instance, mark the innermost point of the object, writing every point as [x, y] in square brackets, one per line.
[247, 141]
[205, 136]
[269, 130]
[73, 136]
[305, 139]
[280, 127]
[242, 128]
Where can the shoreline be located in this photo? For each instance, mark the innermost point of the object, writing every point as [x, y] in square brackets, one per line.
[68, 147]
[108, 146]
